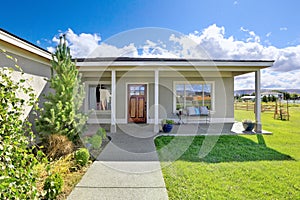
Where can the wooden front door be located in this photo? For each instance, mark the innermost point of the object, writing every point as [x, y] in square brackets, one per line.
[137, 103]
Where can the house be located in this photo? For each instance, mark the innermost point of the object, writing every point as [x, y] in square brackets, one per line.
[34, 61]
[146, 90]
[248, 98]
[121, 90]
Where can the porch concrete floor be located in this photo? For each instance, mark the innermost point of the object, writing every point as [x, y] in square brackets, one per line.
[235, 128]
[146, 130]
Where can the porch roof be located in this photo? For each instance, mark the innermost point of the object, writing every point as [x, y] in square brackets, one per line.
[238, 67]
[98, 59]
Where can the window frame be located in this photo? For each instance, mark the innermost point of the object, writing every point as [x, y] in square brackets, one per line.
[87, 86]
[194, 82]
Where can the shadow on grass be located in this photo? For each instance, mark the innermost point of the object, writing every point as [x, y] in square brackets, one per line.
[223, 149]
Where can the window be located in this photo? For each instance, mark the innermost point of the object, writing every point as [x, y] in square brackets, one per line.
[196, 94]
[137, 89]
[100, 97]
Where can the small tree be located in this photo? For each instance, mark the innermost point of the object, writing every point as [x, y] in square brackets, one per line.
[294, 96]
[61, 113]
[286, 96]
[273, 98]
[265, 99]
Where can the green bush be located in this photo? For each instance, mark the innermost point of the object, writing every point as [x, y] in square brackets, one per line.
[167, 121]
[17, 161]
[101, 132]
[95, 141]
[82, 156]
[53, 186]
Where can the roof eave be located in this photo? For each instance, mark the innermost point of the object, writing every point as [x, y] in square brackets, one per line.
[211, 63]
[23, 44]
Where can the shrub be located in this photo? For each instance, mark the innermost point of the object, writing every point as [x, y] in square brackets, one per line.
[58, 145]
[17, 161]
[96, 141]
[167, 121]
[101, 132]
[53, 186]
[170, 121]
[82, 156]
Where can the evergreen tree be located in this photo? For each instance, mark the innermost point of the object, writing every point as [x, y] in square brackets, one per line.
[265, 99]
[61, 113]
[287, 96]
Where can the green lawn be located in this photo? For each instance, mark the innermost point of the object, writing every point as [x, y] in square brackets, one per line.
[236, 167]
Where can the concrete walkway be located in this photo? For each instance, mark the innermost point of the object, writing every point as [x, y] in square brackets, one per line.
[128, 168]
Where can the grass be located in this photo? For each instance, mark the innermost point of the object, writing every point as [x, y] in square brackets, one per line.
[235, 167]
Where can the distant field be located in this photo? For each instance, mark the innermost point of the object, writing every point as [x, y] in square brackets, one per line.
[238, 167]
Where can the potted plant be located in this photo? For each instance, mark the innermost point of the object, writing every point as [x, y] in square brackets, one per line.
[248, 124]
[167, 125]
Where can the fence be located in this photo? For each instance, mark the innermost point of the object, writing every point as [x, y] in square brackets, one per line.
[250, 106]
[280, 110]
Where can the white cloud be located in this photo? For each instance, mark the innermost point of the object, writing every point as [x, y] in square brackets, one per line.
[284, 73]
[211, 42]
[283, 28]
[243, 29]
[269, 34]
[51, 49]
[106, 50]
[270, 80]
[251, 35]
[235, 3]
[152, 49]
[89, 45]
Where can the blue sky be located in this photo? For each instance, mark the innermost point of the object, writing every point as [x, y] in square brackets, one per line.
[38, 20]
[271, 27]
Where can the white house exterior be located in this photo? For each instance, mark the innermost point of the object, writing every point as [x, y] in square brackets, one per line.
[145, 90]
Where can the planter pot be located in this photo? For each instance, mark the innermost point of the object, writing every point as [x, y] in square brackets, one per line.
[167, 128]
[248, 126]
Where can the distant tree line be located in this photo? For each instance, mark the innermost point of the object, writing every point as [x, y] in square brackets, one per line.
[272, 98]
[266, 99]
[289, 96]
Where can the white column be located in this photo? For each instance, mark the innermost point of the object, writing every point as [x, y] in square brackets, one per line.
[113, 127]
[156, 99]
[258, 127]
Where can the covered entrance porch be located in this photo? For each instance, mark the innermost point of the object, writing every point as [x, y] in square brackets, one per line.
[147, 90]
